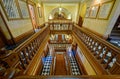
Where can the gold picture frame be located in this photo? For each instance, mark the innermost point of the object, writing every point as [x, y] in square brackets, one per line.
[24, 9]
[10, 7]
[105, 10]
[87, 12]
[40, 12]
[94, 11]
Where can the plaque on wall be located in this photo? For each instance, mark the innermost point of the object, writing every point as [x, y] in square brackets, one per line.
[23, 8]
[105, 10]
[94, 11]
[87, 12]
[10, 8]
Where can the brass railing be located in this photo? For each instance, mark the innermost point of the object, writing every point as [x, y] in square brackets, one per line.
[107, 55]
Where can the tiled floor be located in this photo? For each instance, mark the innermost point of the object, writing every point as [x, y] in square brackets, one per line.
[47, 65]
[74, 66]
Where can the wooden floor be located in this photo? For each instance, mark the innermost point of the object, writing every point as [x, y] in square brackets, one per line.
[60, 68]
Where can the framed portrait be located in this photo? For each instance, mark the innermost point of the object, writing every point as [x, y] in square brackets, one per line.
[39, 12]
[105, 10]
[87, 12]
[11, 9]
[94, 11]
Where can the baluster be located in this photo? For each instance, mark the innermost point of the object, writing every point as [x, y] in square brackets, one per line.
[25, 56]
[110, 59]
[29, 50]
[115, 69]
[90, 43]
[32, 48]
[36, 42]
[86, 37]
[22, 55]
[87, 42]
[21, 62]
[97, 49]
[35, 46]
[110, 64]
[102, 52]
[106, 57]
[93, 45]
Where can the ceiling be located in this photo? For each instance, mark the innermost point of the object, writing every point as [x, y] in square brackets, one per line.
[62, 1]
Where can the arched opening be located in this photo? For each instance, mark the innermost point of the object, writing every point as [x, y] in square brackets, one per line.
[60, 13]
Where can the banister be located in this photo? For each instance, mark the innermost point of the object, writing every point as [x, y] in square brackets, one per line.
[22, 56]
[26, 52]
[104, 52]
[71, 77]
[29, 40]
[100, 39]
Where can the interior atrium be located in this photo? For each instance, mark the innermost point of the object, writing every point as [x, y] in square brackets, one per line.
[59, 39]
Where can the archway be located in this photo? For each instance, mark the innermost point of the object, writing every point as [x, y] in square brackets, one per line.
[60, 13]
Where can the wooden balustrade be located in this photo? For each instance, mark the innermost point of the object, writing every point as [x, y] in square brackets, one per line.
[60, 26]
[105, 53]
[22, 56]
[60, 42]
[28, 49]
[71, 77]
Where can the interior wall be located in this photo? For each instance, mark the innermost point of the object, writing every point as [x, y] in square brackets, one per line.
[71, 7]
[17, 27]
[98, 25]
[41, 12]
[82, 12]
[4, 29]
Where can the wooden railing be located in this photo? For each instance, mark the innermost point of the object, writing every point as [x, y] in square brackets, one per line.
[60, 42]
[22, 56]
[107, 55]
[71, 77]
[103, 54]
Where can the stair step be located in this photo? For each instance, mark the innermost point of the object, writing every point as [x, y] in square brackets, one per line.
[116, 31]
[115, 34]
[115, 37]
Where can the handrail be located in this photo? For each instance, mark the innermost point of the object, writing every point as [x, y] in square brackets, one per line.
[100, 39]
[69, 77]
[105, 53]
[22, 55]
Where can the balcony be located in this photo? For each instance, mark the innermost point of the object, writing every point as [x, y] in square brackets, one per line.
[26, 59]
